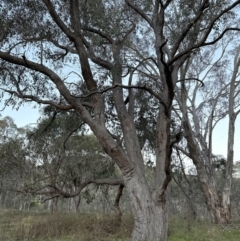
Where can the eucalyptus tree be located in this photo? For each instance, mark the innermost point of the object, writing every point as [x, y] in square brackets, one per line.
[64, 156]
[202, 109]
[110, 43]
[12, 163]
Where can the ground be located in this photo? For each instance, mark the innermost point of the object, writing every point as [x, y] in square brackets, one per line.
[35, 226]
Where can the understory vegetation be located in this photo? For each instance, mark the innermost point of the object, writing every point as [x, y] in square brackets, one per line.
[43, 226]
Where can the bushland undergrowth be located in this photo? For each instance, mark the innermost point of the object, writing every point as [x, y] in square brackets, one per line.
[34, 226]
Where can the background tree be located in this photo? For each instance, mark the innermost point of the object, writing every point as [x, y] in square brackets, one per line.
[66, 159]
[201, 117]
[13, 165]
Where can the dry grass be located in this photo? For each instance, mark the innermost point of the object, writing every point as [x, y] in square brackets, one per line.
[44, 226]
[25, 226]
[180, 230]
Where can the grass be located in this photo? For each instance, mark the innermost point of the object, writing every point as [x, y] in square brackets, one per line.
[29, 226]
[180, 230]
[23, 226]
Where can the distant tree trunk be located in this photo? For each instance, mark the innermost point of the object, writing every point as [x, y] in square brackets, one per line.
[21, 204]
[54, 205]
[2, 196]
[219, 209]
[49, 206]
[71, 205]
[238, 207]
[226, 203]
[6, 201]
[218, 206]
[116, 204]
[219, 213]
[189, 197]
[77, 201]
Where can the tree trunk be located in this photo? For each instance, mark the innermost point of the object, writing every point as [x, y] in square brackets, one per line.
[150, 217]
[216, 209]
[77, 201]
[219, 211]
[226, 208]
[116, 204]
[54, 205]
[151, 224]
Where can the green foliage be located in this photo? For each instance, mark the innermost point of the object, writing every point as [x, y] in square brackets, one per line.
[146, 119]
[57, 151]
[64, 155]
[88, 196]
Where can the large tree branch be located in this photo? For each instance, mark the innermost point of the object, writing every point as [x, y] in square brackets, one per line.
[97, 60]
[111, 182]
[110, 146]
[205, 36]
[140, 12]
[64, 47]
[46, 71]
[167, 3]
[126, 34]
[201, 82]
[201, 44]
[211, 24]
[117, 200]
[54, 190]
[37, 67]
[58, 20]
[38, 100]
[98, 32]
[220, 36]
[69, 135]
[187, 29]
[144, 87]
[85, 66]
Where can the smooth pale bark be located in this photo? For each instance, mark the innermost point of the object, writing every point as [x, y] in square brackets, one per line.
[219, 203]
[54, 207]
[77, 201]
[219, 208]
[226, 202]
[149, 207]
[150, 217]
[208, 187]
[206, 179]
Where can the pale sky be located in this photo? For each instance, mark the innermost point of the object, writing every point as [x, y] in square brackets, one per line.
[220, 138]
[24, 116]
[28, 115]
